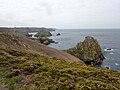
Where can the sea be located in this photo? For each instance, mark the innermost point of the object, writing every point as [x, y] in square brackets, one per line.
[109, 40]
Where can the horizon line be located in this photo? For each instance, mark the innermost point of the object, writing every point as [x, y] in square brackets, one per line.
[58, 28]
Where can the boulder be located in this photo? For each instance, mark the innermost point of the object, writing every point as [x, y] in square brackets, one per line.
[58, 34]
[89, 51]
[45, 40]
[56, 42]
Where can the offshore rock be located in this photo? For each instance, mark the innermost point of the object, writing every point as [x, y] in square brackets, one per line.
[89, 51]
[45, 40]
[58, 34]
[43, 33]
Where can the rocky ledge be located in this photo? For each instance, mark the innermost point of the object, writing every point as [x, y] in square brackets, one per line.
[89, 51]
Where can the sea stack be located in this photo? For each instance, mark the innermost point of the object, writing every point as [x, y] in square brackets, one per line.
[89, 51]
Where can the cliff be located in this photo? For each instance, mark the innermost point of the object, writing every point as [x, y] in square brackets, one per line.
[20, 41]
[25, 30]
[28, 65]
[89, 51]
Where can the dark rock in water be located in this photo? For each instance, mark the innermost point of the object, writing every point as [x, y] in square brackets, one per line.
[58, 34]
[89, 51]
[45, 40]
[108, 48]
[51, 41]
[56, 42]
[107, 67]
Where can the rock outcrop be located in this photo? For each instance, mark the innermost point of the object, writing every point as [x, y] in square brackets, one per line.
[58, 34]
[45, 40]
[89, 51]
[42, 37]
[43, 33]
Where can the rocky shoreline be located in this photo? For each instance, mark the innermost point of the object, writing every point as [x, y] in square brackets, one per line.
[28, 65]
[42, 35]
[88, 51]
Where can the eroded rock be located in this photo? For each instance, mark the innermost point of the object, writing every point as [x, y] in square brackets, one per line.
[43, 33]
[45, 40]
[89, 51]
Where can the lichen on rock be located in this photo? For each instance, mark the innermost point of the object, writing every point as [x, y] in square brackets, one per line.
[89, 51]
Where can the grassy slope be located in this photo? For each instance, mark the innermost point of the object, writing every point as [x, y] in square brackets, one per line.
[19, 41]
[23, 69]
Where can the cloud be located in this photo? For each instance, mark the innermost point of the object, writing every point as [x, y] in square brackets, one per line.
[60, 13]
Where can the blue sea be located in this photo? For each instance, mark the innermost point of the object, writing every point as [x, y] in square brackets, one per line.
[107, 38]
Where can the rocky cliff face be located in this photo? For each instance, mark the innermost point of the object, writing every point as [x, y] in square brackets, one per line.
[89, 51]
[43, 33]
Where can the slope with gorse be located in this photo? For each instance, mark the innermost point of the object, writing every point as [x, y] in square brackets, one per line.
[26, 68]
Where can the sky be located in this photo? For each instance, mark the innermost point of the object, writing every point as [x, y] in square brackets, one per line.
[61, 13]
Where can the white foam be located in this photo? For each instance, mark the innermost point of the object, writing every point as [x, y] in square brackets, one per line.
[106, 58]
[108, 49]
[116, 64]
[111, 53]
[59, 43]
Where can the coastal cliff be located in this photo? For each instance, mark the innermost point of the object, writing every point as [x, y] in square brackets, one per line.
[89, 51]
[28, 65]
[42, 34]
[26, 30]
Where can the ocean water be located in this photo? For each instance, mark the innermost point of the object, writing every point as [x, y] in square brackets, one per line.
[107, 38]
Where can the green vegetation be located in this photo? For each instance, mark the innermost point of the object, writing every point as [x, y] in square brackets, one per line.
[22, 70]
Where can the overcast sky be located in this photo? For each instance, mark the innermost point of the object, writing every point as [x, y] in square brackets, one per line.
[61, 13]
